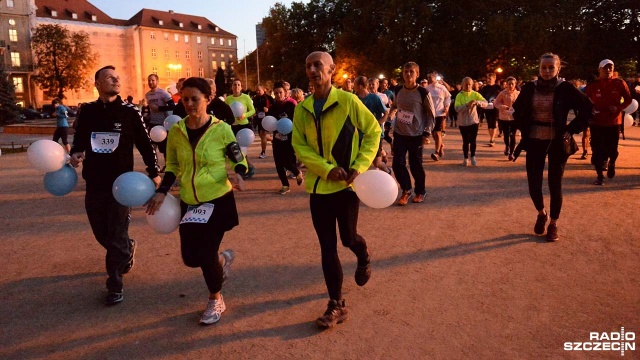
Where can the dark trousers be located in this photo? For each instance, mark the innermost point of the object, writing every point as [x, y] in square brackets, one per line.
[199, 244]
[469, 134]
[537, 151]
[412, 145]
[604, 145]
[387, 130]
[327, 209]
[285, 159]
[509, 130]
[110, 224]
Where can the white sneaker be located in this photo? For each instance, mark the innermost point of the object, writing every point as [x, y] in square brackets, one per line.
[465, 162]
[262, 155]
[473, 161]
[228, 256]
[214, 310]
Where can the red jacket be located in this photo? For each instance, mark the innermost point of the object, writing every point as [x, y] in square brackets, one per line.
[606, 95]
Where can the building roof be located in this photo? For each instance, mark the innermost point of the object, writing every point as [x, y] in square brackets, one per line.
[65, 9]
[85, 12]
[171, 21]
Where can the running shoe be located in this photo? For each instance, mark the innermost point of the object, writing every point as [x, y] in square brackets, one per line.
[228, 256]
[336, 313]
[363, 273]
[284, 190]
[552, 233]
[213, 312]
[404, 199]
[473, 161]
[113, 298]
[540, 221]
[611, 171]
[299, 178]
[465, 162]
[418, 198]
[434, 156]
[262, 155]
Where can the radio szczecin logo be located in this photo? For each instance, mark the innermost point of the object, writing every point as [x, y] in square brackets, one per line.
[607, 341]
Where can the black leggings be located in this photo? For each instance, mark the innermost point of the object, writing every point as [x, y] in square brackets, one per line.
[469, 134]
[604, 145]
[509, 130]
[537, 151]
[61, 133]
[285, 159]
[326, 209]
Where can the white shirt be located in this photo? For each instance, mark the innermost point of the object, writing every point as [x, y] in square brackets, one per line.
[441, 98]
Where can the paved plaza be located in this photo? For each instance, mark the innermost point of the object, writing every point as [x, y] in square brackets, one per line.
[460, 276]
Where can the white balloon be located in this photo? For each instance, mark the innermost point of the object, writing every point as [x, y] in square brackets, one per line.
[158, 133]
[237, 108]
[628, 120]
[244, 150]
[270, 123]
[167, 218]
[632, 107]
[170, 121]
[376, 188]
[245, 137]
[46, 156]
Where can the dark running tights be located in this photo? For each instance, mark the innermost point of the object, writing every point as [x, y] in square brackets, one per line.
[469, 134]
[537, 151]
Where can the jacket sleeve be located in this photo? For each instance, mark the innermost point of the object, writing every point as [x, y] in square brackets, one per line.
[143, 143]
[430, 111]
[250, 111]
[305, 152]
[582, 107]
[369, 126]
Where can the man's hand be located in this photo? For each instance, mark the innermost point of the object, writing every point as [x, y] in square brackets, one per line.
[337, 174]
[154, 203]
[76, 159]
[153, 107]
[352, 176]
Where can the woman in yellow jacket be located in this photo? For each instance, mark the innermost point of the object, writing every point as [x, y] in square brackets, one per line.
[197, 148]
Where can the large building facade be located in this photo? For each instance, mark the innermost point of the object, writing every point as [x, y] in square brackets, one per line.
[165, 43]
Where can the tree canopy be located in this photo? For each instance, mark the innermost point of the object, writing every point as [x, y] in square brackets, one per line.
[457, 38]
[63, 59]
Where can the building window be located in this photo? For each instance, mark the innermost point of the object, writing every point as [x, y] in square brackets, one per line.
[221, 54]
[166, 54]
[54, 13]
[167, 72]
[230, 56]
[213, 41]
[15, 59]
[154, 70]
[177, 54]
[214, 65]
[221, 41]
[213, 55]
[181, 25]
[188, 72]
[17, 82]
[10, 3]
[176, 37]
[223, 65]
[179, 72]
[186, 38]
[200, 72]
[153, 52]
[198, 39]
[187, 54]
[166, 36]
[153, 35]
[74, 16]
[199, 55]
[13, 35]
[12, 22]
[199, 27]
[94, 18]
[160, 22]
[230, 43]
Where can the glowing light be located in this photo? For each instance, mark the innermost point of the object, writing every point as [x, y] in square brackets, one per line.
[499, 70]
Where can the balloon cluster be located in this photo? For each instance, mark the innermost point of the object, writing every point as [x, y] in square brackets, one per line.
[49, 157]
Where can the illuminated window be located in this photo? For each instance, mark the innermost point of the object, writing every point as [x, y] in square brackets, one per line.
[186, 38]
[17, 82]
[223, 65]
[53, 13]
[199, 27]
[230, 42]
[176, 37]
[167, 72]
[181, 25]
[94, 18]
[15, 59]
[13, 35]
[230, 56]
[213, 41]
[166, 54]
[200, 72]
[187, 54]
[179, 72]
[221, 54]
[153, 35]
[214, 65]
[221, 41]
[188, 72]
[166, 36]
[10, 3]
[74, 16]
[198, 39]
[160, 22]
[154, 70]
[199, 55]
[153, 52]
[12, 22]
[213, 55]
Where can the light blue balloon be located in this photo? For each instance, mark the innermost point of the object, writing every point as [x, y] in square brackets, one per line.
[133, 189]
[61, 182]
[237, 108]
[284, 126]
[245, 137]
[170, 121]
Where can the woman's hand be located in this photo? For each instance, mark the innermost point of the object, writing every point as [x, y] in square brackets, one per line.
[239, 183]
[154, 203]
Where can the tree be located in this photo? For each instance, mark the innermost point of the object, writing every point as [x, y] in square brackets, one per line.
[63, 59]
[220, 83]
[8, 108]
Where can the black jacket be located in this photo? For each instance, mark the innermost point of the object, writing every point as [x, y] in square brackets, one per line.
[100, 170]
[217, 108]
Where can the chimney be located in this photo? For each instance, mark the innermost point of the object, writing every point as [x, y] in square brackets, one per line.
[170, 11]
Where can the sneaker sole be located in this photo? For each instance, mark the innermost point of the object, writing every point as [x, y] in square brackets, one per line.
[321, 324]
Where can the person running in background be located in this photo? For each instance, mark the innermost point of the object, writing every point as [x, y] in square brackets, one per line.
[490, 91]
[504, 104]
[160, 105]
[467, 103]
[325, 138]
[261, 102]
[540, 113]
[198, 148]
[62, 124]
[242, 121]
[377, 108]
[441, 101]
[605, 93]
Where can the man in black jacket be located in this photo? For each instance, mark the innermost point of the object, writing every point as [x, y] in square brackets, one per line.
[108, 128]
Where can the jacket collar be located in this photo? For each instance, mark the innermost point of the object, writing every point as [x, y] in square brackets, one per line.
[331, 99]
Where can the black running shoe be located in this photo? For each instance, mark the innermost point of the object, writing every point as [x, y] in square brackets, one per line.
[336, 313]
[113, 298]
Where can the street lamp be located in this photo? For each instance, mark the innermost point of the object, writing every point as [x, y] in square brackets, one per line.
[345, 76]
[499, 70]
[381, 76]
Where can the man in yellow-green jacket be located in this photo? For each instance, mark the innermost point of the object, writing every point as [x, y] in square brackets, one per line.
[325, 138]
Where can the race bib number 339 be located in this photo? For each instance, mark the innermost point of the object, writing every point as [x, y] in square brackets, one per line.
[104, 142]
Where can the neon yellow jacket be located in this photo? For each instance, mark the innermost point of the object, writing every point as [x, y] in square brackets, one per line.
[343, 117]
[249, 110]
[202, 171]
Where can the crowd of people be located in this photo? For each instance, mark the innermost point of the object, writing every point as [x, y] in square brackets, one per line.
[337, 134]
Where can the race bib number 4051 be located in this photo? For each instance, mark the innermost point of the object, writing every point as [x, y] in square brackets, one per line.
[104, 142]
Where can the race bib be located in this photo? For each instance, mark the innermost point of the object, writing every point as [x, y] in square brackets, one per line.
[104, 142]
[261, 115]
[197, 214]
[405, 116]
